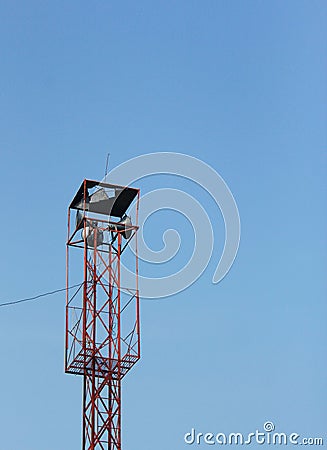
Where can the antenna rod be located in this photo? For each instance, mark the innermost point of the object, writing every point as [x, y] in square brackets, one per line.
[107, 165]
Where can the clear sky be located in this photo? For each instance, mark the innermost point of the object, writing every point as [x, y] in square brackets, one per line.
[238, 84]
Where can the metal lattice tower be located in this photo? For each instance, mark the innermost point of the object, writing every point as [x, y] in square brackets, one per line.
[102, 316]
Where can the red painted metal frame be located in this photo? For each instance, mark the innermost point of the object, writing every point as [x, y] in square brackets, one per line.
[102, 330]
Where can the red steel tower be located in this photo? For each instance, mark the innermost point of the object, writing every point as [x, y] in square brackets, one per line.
[102, 315]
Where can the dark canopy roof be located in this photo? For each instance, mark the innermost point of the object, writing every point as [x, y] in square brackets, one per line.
[108, 199]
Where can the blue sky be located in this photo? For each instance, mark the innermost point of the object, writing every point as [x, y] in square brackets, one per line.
[240, 85]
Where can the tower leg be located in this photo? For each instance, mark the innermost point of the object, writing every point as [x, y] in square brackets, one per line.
[101, 413]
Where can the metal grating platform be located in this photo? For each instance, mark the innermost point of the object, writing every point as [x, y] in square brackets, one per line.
[87, 362]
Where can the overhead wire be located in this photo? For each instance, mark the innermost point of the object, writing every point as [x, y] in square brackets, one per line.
[45, 294]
